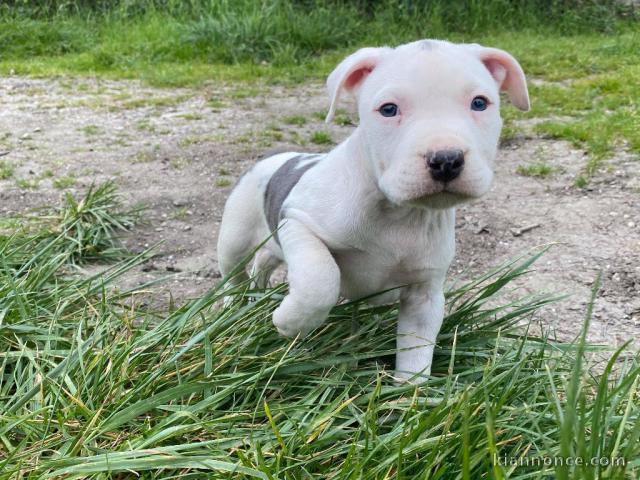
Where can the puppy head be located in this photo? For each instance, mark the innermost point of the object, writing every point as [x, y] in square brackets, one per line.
[430, 116]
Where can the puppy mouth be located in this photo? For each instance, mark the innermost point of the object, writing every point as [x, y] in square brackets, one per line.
[441, 194]
[430, 193]
[445, 195]
[448, 189]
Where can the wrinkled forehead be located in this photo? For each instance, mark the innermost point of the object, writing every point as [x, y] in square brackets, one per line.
[439, 67]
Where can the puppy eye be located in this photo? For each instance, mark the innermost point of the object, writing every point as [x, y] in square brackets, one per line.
[388, 110]
[479, 103]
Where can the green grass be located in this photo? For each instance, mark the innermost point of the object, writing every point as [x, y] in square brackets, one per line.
[581, 181]
[28, 183]
[343, 119]
[93, 384]
[272, 132]
[321, 138]
[144, 156]
[297, 120]
[62, 183]
[91, 130]
[278, 32]
[6, 170]
[145, 126]
[223, 182]
[590, 47]
[191, 116]
[538, 169]
[592, 94]
[199, 139]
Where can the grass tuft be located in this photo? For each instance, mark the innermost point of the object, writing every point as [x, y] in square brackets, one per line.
[297, 120]
[321, 138]
[6, 170]
[63, 183]
[538, 169]
[90, 224]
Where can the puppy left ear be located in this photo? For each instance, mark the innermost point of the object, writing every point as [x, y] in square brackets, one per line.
[508, 74]
[350, 74]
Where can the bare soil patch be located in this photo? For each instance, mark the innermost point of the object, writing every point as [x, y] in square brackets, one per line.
[180, 151]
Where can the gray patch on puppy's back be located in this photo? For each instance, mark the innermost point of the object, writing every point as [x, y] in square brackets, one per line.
[280, 185]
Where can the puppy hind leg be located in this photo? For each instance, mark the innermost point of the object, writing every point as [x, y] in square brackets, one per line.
[228, 261]
[263, 266]
[238, 230]
[232, 250]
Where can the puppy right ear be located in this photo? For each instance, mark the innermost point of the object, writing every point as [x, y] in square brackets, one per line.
[351, 72]
[507, 72]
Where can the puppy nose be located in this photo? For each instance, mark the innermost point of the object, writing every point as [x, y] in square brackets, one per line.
[445, 165]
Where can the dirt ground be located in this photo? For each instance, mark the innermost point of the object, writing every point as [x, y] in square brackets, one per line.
[180, 151]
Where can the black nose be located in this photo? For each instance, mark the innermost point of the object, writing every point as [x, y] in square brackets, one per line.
[445, 165]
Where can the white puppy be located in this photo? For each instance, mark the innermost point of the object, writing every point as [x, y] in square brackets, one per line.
[377, 211]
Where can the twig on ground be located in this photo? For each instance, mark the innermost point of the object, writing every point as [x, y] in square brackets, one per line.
[516, 232]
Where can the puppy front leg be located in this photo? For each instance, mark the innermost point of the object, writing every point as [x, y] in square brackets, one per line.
[419, 321]
[314, 281]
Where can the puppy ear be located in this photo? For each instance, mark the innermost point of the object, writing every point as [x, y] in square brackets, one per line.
[351, 72]
[508, 74]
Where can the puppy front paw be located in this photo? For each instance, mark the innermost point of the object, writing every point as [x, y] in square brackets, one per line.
[403, 377]
[292, 319]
